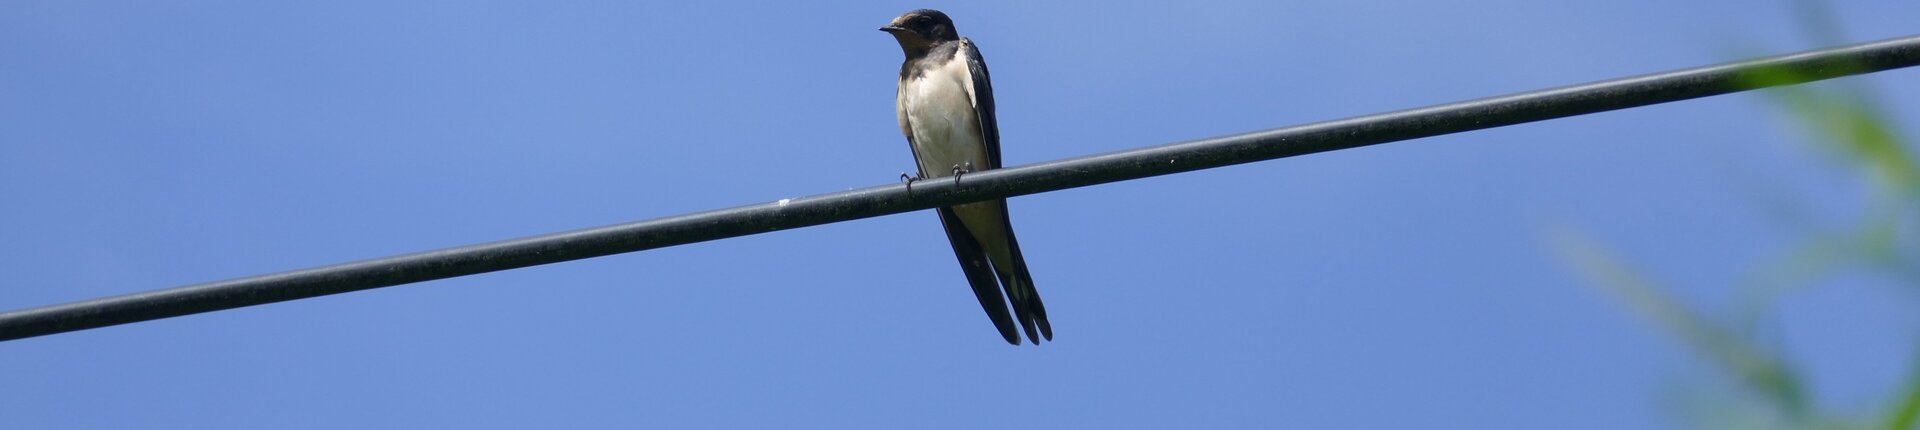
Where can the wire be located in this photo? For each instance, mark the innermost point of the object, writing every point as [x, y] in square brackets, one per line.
[991, 184]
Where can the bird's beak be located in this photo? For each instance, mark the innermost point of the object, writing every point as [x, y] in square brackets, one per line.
[891, 29]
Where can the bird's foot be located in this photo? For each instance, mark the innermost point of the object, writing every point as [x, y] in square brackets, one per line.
[959, 169]
[904, 177]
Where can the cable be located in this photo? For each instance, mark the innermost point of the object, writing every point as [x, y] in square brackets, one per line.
[992, 184]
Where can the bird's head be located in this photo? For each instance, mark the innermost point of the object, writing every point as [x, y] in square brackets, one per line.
[919, 30]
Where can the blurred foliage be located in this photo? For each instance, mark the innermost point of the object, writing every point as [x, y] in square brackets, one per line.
[1764, 390]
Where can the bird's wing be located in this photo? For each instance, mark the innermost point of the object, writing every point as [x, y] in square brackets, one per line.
[1019, 284]
[973, 261]
[980, 86]
[973, 258]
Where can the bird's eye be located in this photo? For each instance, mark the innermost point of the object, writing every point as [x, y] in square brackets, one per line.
[923, 19]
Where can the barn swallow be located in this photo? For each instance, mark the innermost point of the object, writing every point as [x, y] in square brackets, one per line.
[945, 107]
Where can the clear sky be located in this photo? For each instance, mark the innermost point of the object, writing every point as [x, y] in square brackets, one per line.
[154, 144]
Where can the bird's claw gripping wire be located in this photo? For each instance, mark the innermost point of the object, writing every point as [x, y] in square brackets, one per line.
[959, 169]
[904, 177]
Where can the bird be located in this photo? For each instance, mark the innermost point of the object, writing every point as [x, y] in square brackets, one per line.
[945, 107]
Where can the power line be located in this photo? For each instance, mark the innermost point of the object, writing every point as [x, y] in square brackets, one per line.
[993, 184]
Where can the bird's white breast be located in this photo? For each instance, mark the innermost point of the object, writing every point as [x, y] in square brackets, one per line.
[938, 107]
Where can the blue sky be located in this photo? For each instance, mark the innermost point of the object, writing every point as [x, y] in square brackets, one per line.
[153, 144]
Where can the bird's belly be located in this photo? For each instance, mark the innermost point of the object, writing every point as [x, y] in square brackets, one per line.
[945, 131]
